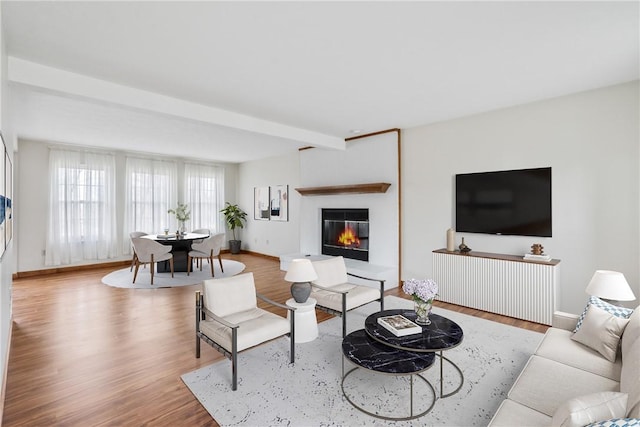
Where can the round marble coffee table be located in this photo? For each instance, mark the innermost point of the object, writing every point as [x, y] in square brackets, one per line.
[364, 352]
[441, 335]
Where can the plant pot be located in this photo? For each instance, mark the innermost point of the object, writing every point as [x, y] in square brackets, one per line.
[234, 246]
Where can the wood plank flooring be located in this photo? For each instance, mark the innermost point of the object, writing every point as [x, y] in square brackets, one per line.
[86, 354]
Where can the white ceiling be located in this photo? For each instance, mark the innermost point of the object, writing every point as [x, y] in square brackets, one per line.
[324, 68]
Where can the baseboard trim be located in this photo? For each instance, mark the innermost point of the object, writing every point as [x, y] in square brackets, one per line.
[111, 264]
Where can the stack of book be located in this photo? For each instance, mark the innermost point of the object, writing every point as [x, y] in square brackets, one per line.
[532, 257]
[399, 325]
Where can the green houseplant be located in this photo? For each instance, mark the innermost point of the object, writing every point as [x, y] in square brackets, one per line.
[234, 217]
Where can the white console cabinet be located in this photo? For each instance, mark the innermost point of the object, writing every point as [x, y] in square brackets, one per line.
[502, 284]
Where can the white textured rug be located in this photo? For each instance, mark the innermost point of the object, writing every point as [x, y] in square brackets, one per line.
[123, 278]
[272, 392]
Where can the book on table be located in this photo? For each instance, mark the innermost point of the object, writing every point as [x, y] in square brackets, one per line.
[399, 325]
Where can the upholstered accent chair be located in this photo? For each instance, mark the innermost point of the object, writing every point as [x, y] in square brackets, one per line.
[228, 319]
[208, 249]
[335, 294]
[131, 236]
[150, 252]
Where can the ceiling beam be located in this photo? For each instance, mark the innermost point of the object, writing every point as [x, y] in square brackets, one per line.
[67, 83]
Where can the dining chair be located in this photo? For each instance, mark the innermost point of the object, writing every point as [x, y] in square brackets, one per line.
[150, 252]
[228, 319]
[208, 249]
[131, 236]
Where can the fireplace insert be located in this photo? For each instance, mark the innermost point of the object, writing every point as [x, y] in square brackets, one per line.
[346, 232]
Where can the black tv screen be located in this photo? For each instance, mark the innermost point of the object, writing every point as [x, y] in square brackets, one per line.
[513, 202]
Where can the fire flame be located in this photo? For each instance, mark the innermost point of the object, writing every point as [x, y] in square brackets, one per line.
[348, 238]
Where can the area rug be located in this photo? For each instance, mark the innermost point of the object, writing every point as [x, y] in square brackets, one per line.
[123, 278]
[272, 392]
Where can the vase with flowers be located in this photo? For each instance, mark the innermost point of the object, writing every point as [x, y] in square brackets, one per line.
[422, 292]
[182, 214]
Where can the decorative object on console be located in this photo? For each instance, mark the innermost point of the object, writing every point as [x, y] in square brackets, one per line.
[610, 286]
[451, 240]
[423, 292]
[463, 247]
[537, 249]
[182, 214]
[300, 272]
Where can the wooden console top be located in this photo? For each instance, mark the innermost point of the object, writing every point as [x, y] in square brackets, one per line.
[504, 257]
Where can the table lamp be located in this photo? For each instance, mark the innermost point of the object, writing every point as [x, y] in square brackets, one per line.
[610, 286]
[300, 272]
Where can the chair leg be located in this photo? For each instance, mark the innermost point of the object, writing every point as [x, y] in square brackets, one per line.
[134, 258]
[152, 268]
[220, 261]
[211, 263]
[189, 264]
[234, 359]
[135, 274]
[171, 264]
[344, 315]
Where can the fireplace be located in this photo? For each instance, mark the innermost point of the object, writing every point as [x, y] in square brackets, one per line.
[346, 232]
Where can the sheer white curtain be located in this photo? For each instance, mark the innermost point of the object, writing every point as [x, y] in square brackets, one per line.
[151, 190]
[204, 194]
[82, 207]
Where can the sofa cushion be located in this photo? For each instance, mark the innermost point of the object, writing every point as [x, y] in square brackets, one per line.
[557, 345]
[622, 312]
[601, 331]
[586, 409]
[617, 422]
[631, 332]
[545, 384]
[511, 414]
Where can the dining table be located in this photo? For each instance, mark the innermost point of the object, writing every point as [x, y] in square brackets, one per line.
[180, 246]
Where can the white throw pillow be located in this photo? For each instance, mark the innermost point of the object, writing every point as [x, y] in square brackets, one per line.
[601, 331]
[583, 410]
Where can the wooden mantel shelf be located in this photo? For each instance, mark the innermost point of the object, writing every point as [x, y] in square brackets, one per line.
[376, 187]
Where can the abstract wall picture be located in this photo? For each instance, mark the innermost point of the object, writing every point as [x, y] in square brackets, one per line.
[3, 199]
[8, 208]
[261, 203]
[279, 203]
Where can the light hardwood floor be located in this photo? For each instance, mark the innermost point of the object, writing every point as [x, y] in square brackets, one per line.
[86, 354]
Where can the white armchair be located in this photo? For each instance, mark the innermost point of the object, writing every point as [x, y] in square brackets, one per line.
[228, 318]
[150, 252]
[336, 295]
[209, 248]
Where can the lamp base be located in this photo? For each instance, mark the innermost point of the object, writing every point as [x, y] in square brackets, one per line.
[300, 291]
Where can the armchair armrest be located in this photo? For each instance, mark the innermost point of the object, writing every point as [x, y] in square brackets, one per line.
[277, 304]
[563, 320]
[366, 278]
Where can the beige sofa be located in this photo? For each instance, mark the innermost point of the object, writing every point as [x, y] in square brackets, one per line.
[567, 383]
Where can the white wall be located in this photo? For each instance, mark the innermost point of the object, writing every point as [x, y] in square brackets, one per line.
[31, 194]
[8, 258]
[270, 237]
[366, 160]
[591, 141]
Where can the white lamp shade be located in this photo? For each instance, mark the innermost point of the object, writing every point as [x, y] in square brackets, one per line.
[300, 270]
[610, 285]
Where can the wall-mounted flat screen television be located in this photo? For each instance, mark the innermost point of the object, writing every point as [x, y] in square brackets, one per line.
[512, 202]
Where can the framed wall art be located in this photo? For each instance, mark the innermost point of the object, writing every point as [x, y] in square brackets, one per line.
[279, 203]
[261, 203]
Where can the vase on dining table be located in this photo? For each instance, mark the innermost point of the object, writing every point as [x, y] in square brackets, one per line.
[423, 309]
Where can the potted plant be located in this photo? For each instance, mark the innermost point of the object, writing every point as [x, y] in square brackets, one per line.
[234, 218]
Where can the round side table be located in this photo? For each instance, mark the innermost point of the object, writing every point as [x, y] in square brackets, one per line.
[306, 322]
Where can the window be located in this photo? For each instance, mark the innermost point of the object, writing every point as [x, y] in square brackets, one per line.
[151, 190]
[204, 194]
[82, 212]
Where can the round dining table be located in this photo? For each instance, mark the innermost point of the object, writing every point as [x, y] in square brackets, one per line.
[180, 247]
